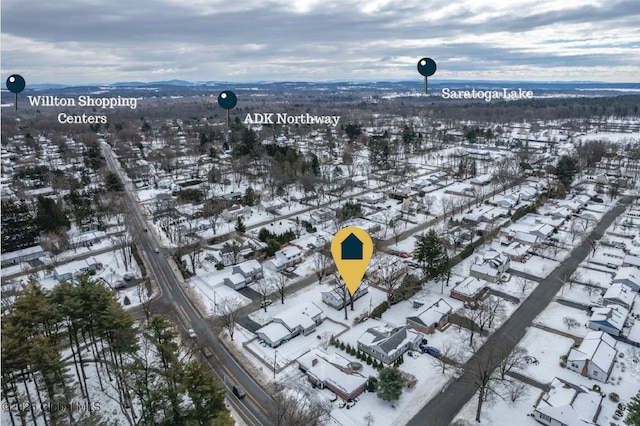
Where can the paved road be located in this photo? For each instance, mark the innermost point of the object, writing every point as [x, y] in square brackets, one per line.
[441, 410]
[255, 408]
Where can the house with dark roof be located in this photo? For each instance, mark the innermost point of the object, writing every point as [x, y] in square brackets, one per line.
[435, 316]
[387, 344]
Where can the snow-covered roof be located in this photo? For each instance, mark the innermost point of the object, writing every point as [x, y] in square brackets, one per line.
[485, 269]
[632, 260]
[299, 315]
[629, 273]
[516, 249]
[22, 253]
[289, 252]
[613, 315]
[248, 267]
[322, 367]
[569, 404]
[620, 292]
[432, 314]
[387, 339]
[598, 347]
[235, 279]
[274, 331]
[470, 286]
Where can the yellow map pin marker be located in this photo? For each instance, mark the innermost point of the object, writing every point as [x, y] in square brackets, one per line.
[352, 249]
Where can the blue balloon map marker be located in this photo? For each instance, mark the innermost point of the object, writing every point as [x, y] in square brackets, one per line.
[427, 68]
[227, 100]
[16, 84]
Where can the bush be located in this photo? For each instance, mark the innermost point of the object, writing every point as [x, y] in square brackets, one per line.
[136, 256]
[523, 211]
[380, 309]
[372, 384]
[127, 302]
[468, 251]
[219, 266]
[614, 397]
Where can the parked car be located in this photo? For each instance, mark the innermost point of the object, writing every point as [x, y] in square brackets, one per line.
[266, 302]
[430, 350]
[237, 391]
[206, 351]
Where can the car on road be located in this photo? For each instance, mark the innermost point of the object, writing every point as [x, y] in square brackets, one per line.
[192, 333]
[430, 350]
[206, 351]
[157, 250]
[237, 391]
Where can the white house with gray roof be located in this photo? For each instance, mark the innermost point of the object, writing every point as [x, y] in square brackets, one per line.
[386, 344]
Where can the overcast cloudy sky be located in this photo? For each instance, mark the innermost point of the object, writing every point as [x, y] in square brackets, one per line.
[102, 41]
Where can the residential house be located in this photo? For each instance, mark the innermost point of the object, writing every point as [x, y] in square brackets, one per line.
[70, 270]
[629, 276]
[250, 270]
[482, 180]
[235, 281]
[470, 289]
[232, 213]
[334, 298]
[300, 319]
[609, 319]
[333, 372]
[594, 357]
[86, 239]
[620, 294]
[517, 251]
[631, 261]
[435, 316]
[321, 215]
[493, 265]
[289, 255]
[372, 197]
[23, 255]
[387, 344]
[568, 404]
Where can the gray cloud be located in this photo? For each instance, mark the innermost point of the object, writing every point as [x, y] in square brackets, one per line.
[93, 41]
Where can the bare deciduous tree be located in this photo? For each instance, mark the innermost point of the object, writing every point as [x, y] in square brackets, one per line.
[321, 264]
[388, 273]
[227, 314]
[298, 405]
[280, 282]
[570, 322]
[448, 353]
[263, 287]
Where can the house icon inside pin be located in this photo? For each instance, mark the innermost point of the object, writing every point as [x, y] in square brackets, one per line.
[351, 248]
